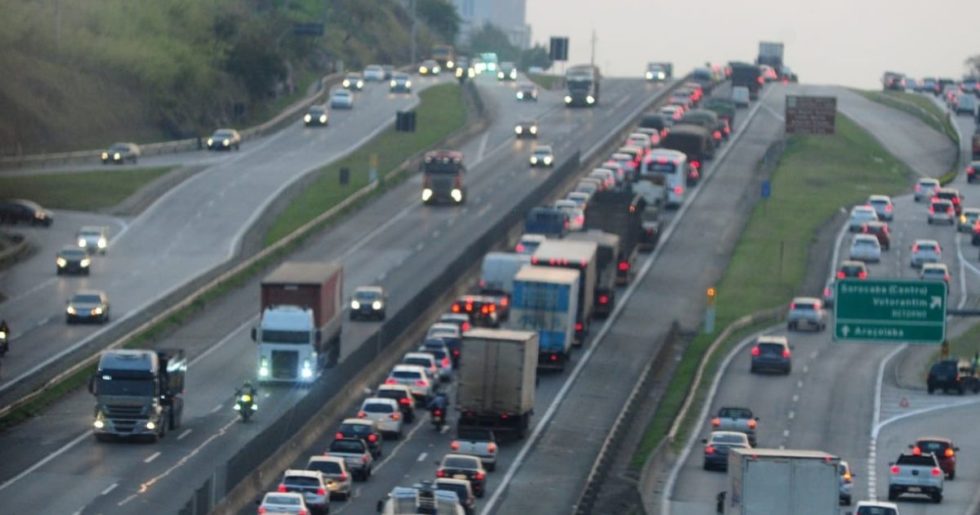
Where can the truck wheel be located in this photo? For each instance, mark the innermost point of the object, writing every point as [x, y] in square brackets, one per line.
[952, 475]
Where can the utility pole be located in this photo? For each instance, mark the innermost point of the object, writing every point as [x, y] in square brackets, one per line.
[414, 23]
[592, 59]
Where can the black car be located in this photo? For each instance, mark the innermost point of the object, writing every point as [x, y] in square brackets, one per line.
[73, 260]
[527, 93]
[368, 302]
[462, 466]
[224, 139]
[317, 115]
[17, 210]
[957, 375]
[357, 428]
[771, 353]
[119, 153]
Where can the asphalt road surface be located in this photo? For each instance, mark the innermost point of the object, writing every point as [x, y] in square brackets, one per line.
[844, 398]
[394, 241]
[191, 229]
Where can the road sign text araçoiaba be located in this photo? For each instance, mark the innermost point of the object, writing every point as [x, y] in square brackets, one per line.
[890, 311]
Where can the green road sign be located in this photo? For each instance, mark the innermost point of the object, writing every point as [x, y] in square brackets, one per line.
[901, 311]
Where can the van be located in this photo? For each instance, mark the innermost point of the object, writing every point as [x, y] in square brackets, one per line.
[670, 168]
[695, 143]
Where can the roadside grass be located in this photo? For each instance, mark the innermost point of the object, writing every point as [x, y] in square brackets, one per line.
[916, 105]
[544, 81]
[441, 112]
[82, 191]
[816, 177]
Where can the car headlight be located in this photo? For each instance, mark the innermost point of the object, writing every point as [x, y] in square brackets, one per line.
[435, 69]
[450, 64]
[547, 160]
[105, 155]
[590, 99]
[377, 305]
[355, 304]
[307, 118]
[61, 262]
[534, 160]
[408, 84]
[323, 118]
[513, 74]
[568, 99]
[520, 95]
[459, 72]
[3, 335]
[82, 243]
[649, 75]
[500, 75]
[346, 83]
[360, 84]
[392, 84]
[423, 69]
[518, 129]
[116, 156]
[226, 142]
[661, 75]
[263, 368]
[97, 310]
[102, 243]
[456, 194]
[426, 194]
[85, 262]
[71, 310]
[98, 424]
[534, 129]
[150, 425]
[471, 72]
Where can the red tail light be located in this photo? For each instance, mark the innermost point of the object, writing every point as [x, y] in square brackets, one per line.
[915, 248]
[895, 470]
[786, 353]
[504, 416]
[504, 302]
[445, 363]
[262, 510]
[936, 471]
[492, 447]
[579, 326]
[862, 275]
[302, 512]
[624, 266]
[395, 416]
[553, 357]
[391, 380]
[519, 248]
[752, 423]
[709, 450]
[421, 382]
[678, 190]
[480, 476]
[403, 400]
[372, 438]
[281, 489]
[338, 436]
[364, 458]
[840, 275]
[343, 476]
[437, 412]
[466, 327]
[756, 351]
[440, 473]
[918, 188]
[456, 351]
[454, 445]
[760, 80]
[932, 210]
[696, 164]
[321, 491]
[603, 299]
[949, 452]
[361, 414]
[715, 422]
[716, 135]
[888, 208]
[792, 305]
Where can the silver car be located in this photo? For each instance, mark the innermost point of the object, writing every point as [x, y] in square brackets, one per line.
[335, 475]
[576, 216]
[414, 377]
[342, 99]
[865, 247]
[925, 251]
[374, 73]
[861, 215]
[935, 272]
[311, 485]
[806, 312]
[882, 204]
[941, 211]
[284, 503]
[925, 188]
[93, 238]
[384, 412]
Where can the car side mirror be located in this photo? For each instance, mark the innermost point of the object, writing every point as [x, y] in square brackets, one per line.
[254, 334]
[704, 440]
[911, 446]
[757, 419]
[957, 449]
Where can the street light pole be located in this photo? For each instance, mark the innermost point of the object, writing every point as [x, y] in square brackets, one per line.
[414, 23]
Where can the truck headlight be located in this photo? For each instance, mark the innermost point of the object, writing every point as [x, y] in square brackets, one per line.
[307, 371]
[82, 243]
[102, 243]
[3, 335]
[98, 424]
[513, 74]
[323, 118]
[547, 160]
[377, 305]
[226, 142]
[661, 76]
[71, 310]
[500, 75]
[307, 118]
[85, 262]
[61, 262]
[426, 194]
[520, 95]
[456, 194]
[450, 64]
[355, 304]
[151, 425]
[590, 99]
[408, 84]
[263, 367]
[568, 99]
[360, 84]
[423, 70]
[649, 75]
[518, 129]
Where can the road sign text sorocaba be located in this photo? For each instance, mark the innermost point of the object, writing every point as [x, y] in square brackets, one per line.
[903, 311]
[810, 115]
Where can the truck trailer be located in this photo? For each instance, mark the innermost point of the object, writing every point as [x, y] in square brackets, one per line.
[608, 251]
[545, 300]
[577, 255]
[301, 321]
[768, 481]
[619, 213]
[138, 393]
[497, 381]
[497, 277]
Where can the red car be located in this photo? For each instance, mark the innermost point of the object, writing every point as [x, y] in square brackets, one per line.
[943, 448]
[971, 171]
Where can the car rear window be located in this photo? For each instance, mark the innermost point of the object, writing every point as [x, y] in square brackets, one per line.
[357, 429]
[353, 446]
[936, 448]
[378, 407]
[735, 413]
[327, 467]
[282, 500]
[770, 348]
[876, 510]
[301, 481]
[916, 461]
[406, 374]
[422, 362]
[808, 306]
[459, 462]
[727, 439]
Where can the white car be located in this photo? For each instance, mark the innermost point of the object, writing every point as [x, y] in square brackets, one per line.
[443, 330]
[607, 176]
[385, 413]
[542, 155]
[875, 508]
[941, 211]
[424, 360]
[414, 377]
[925, 188]
[925, 251]
[672, 113]
[342, 99]
[576, 217]
[340, 485]
[882, 204]
[865, 247]
[740, 95]
[284, 503]
[580, 198]
[861, 215]
[374, 73]
[639, 139]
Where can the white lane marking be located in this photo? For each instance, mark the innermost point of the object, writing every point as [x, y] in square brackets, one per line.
[46, 459]
[216, 408]
[814, 354]
[184, 434]
[774, 113]
[422, 456]
[483, 145]
[875, 417]
[964, 262]
[785, 433]
[799, 384]
[150, 458]
[397, 447]
[436, 233]
[806, 369]
[791, 415]
[109, 489]
[796, 398]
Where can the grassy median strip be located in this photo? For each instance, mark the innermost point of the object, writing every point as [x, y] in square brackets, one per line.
[916, 105]
[440, 113]
[816, 177]
[544, 81]
[80, 191]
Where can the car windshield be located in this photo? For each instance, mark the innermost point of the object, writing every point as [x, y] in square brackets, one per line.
[222, 134]
[875, 510]
[90, 233]
[459, 462]
[317, 110]
[86, 299]
[809, 306]
[282, 500]
[542, 151]
[377, 407]
[367, 294]
[341, 94]
[326, 467]
[119, 147]
[284, 336]
[933, 447]
[735, 413]
[73, 253]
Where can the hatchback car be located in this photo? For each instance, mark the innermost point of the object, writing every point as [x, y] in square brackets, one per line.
[14, 211]
[316, 115]
[334, 471]
[119, 153]
[607, 177]
[925, 251]
[542, 156]
[861, 215]
[400, 83]
[672, 112]
[224, 139]
[941, 211]
[935, 272]
[342, 99]
[943, 448]
[952, 195]
[368, 302]
[771, 353]
[353, 82]
[284, 503]
[443, 357]
[576, 216]
[414, 377]
[806, 312]
[879, 230]
[87, 306]
[526, 129]
[385, 413]
[429, 67]
[882, 204]
[363, 429]
[925, 188]
[461, 466]
[527, 93]
[400, 394]
[968, 219]
[865, 247]
[73, 260]
[311, 485]
[853, 270]
[717, 446]
[93, 238]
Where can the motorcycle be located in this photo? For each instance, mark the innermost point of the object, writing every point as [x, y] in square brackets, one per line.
[245, 405]
[438, 416]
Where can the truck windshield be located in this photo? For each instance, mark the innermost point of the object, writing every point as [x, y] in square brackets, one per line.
[135, 387]
[277, 336]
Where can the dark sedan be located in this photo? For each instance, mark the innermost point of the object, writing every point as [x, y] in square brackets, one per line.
[88, 306]
[771, 353]
[73, 260]
[16, 210]
[716, 448]
[462, 466]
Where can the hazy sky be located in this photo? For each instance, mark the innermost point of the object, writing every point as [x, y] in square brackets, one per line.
[848, 42]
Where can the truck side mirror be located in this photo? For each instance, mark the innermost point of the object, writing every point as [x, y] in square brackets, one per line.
[704, 440]
[91, 384]
[254, 334]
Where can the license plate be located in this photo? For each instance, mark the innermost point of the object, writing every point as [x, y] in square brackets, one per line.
[914, 489]
[460, 476]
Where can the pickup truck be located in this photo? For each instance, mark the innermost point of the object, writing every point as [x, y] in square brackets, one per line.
[356, 454]
[736, 419]
[477, 442]
[912, 474]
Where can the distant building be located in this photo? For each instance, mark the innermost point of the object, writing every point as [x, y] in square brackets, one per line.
[510, 16]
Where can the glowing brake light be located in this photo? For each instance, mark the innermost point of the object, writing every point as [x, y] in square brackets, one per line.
[888, 208]
[480, 476]
[756, 352]
[321, 491]
[454, 445]
[715, 422]
[491, 447]
[403, 400]
[395, 416]
[786, 353]
[579, 326]
[281, 489]
[361, 414]
[624, 266]
[862, 275]
[709, 450]
[391, 380]
[372, 438]
[936, 472]
[949, 452]
[440, 473]
[262, 510]
[696, 164]
[752, 423]
[716, 135]
[792, 305]
[603, 299]
[445, 364]
[841, 275]
[895, 470]
[339, 436]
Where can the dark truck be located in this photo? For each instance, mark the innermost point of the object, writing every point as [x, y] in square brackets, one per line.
[606, 253]
[442, 177]
[582, 82]
[619, 213]
[138, 393]
[976, 140]
[748, 75]
[696, 143]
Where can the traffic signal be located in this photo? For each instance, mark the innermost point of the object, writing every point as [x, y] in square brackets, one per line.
[711, 293]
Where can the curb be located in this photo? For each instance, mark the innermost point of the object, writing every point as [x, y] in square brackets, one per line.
[12, 254]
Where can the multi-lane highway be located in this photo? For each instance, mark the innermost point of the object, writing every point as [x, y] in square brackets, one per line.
[394, 241]
[849, 399]
[191, 229]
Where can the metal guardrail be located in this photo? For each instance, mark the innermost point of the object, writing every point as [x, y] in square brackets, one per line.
[172, 147]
